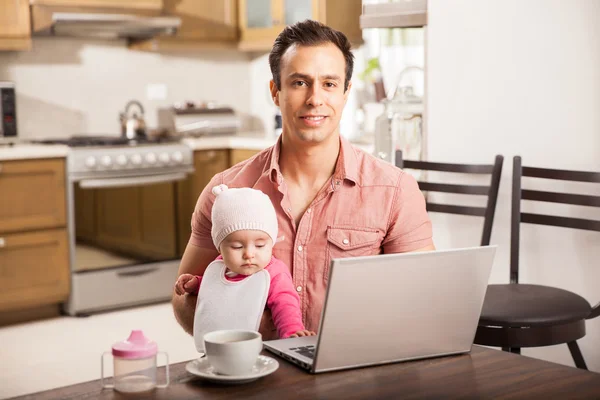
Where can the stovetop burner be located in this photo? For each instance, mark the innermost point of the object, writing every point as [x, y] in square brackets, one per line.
[88, 141]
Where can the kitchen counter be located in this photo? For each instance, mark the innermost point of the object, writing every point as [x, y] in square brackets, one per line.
[22, 151]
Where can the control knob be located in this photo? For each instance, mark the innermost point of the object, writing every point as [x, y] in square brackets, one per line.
[122, 160]
[151, 158]
[164, 158]
[136, 159]
[106, 161]
[177, 157]
[90, 162]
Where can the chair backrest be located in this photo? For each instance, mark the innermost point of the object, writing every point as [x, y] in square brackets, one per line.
[518, 194]
[491, 191]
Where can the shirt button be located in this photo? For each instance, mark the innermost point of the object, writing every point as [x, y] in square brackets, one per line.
[308, 211]
[299, 289]
[300, 248]
[345, 241]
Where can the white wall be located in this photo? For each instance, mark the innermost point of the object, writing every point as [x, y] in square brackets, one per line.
[522, 78]
[74, 86]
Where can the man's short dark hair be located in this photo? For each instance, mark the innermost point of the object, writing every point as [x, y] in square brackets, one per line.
[309, 33]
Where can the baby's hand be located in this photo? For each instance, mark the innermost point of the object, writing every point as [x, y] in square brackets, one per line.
[186, 283]
[303, 333]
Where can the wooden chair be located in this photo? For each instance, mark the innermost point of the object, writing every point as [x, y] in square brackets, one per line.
[518, 315]
[491, 191]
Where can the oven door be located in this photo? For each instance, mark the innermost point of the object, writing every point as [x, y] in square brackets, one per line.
[125, 221]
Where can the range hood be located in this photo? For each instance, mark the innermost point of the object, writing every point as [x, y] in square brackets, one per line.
[399, 14]
[108, 26]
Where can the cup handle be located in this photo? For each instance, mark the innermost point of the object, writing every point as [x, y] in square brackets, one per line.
[102, 371]
[166, 370]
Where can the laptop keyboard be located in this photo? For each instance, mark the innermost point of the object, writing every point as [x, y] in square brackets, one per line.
[306, 351]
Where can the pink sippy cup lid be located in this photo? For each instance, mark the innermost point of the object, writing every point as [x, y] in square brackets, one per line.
[135, 346]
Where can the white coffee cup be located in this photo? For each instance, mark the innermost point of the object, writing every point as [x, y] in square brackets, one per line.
[234, 351]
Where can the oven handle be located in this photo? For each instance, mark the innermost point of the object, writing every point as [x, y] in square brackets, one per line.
[137, 273]
[130, 181]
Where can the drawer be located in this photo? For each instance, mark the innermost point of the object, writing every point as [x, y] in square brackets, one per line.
[120, 287]
[33, 195]
[34, 269]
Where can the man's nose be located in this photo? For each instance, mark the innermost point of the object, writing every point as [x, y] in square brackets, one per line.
[315, 98]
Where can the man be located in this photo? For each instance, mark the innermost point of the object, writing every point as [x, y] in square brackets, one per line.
[332, 200]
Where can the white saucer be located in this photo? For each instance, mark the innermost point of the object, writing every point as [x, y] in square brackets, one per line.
[202, 368]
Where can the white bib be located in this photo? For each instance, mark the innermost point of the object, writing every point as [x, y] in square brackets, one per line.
[224, 304]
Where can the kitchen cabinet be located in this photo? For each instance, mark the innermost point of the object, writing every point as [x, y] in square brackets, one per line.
[114, 4]
[33, 195]
[15, 27]
[207, 163]
[34, 255]
[260, 21]
[34, 269]
[204, 24]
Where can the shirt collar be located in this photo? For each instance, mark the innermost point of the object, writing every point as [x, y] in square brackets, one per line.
[346, 167]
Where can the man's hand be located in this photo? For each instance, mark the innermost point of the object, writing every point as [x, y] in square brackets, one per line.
[303, 333]
[186, 283]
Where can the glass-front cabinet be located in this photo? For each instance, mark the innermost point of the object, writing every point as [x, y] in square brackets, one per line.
[260, 21]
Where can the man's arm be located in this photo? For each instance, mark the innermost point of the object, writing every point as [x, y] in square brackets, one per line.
[194, 261]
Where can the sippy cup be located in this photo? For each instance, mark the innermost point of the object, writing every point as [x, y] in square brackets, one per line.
[134, 363]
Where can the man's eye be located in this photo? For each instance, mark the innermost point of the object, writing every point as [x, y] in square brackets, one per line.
[299, 83]
[330, 84]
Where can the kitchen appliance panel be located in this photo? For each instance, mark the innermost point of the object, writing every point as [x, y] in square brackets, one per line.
[8, 110]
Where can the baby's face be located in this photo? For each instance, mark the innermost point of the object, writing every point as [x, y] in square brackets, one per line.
[247, 251]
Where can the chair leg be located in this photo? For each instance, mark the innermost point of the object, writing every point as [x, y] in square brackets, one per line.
[576, 354]
[514, 350]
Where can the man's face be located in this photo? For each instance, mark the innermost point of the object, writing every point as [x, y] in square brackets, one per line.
[312, 95]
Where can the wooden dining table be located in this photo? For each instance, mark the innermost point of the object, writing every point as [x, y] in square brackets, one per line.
[481, 374]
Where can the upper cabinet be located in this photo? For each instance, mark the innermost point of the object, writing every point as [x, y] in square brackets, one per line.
[260, 21]
[15, 28]
[204, 23]
[151, 5]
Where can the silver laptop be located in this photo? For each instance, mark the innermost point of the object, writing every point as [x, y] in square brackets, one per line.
[395, 307]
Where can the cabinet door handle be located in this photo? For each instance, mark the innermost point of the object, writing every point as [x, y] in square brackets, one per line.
[137, 273]
[2, 242]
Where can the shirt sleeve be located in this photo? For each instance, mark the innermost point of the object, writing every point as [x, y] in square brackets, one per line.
[283, 301]
[201, 218]
[410, 226]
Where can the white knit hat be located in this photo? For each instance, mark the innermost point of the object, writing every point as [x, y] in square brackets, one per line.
[241, 209]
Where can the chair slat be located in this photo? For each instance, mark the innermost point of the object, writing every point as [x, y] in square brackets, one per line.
[452, 209]
[448, 167]
[565, 222]
[453, 188]
[564, 198]
[561, 174]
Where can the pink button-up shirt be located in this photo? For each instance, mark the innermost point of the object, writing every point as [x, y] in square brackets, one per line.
[367, 207]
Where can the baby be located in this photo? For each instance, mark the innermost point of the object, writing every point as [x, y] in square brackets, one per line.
[235, 288]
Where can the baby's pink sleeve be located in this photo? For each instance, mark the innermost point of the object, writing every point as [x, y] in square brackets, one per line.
[283, 300]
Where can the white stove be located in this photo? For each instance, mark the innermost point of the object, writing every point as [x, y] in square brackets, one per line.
[122, 220]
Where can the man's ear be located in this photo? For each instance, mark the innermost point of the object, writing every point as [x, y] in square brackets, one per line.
[274, 92]
[347, 92]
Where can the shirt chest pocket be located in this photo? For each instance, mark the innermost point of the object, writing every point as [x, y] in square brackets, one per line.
[351, 242]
